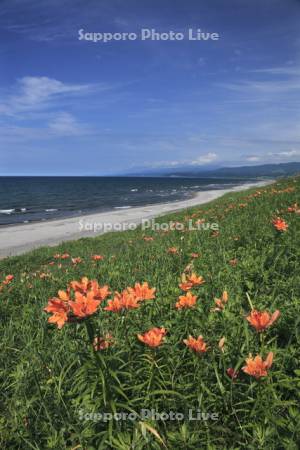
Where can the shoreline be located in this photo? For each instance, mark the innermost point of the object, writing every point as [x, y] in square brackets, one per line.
[26, 216]
[21, 238]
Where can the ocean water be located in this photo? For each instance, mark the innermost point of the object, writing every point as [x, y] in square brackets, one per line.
[28, 199]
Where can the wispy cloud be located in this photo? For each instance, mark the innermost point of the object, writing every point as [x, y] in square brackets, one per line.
[204, 159]
[62, 124]
[284, 70]
[35, 93]
[48, 25]
[273, 80]
[65, 124]
[287, 154]
[278, 157]
[252, 158]
[201, 160]
[267, 86]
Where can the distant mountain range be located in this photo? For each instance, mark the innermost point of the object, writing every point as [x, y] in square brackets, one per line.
[260, 171]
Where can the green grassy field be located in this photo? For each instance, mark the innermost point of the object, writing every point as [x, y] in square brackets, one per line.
[54, 383]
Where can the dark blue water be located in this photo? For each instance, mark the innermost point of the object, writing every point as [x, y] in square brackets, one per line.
[27, 199]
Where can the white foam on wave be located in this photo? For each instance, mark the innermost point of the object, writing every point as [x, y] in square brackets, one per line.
[51, 210]
[122, 207]
[6, 211]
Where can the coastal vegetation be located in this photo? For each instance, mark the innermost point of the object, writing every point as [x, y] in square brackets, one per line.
[177, 339]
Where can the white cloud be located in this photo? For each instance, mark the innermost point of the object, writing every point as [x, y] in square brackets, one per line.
[268, 87]
[35, 93]
[279, 80]
[61, 125]
[290, 153]
[64, 124]
[275, 157]
[253, 158]
[199, 161]
[286, 154]
[284, 70]
[204, 159]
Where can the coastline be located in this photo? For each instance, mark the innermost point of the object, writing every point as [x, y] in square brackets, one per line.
[18, 239]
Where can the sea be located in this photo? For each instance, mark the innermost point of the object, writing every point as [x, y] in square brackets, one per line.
[34, 199]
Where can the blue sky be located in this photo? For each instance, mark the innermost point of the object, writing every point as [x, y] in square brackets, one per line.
[79, 107]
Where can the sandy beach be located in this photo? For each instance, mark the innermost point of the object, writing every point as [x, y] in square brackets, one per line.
[18, 239]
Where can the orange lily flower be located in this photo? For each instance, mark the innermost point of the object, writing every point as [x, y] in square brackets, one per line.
[77, 260]
[88, 296]
[8, 279]
[280, 224]
[85, 285]
[261, 320]
[185, 286]
[153, 337]
[256, 367]
[148, 238]
[81, 286]
[60, 309]
[97, 257]
[195, 280]
[129, 300]
[101, 293]
[142, 291]
[197, 345]
[188, 282]
[221, 302]
[65, 256]
[173, 250]
[125, 300]
[114, 305]
[84, 305]
[186, 301]
[64, 295]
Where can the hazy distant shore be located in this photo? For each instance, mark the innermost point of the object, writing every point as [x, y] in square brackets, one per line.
[18, 239]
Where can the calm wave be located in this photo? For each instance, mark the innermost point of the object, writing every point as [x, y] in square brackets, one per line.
[27, 199]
